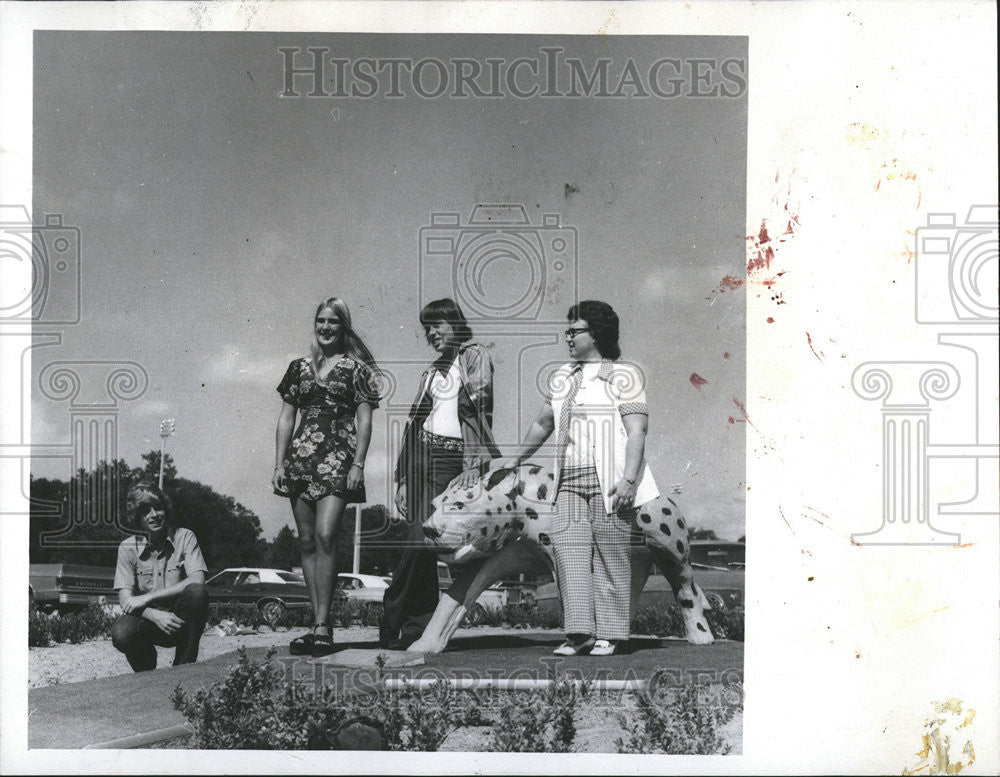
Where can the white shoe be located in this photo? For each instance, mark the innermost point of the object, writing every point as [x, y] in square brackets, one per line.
[574, 648]
[603, 647]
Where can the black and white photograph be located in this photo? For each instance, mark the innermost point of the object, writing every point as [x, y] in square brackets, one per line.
[384, 381]
[417, 350]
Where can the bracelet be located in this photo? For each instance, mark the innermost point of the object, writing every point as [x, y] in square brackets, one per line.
[359, 466]
[630, 482]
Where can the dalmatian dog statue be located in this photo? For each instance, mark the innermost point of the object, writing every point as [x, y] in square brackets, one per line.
[501, 527]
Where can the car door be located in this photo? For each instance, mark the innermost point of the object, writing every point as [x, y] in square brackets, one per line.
[221, 588]
[248, 588]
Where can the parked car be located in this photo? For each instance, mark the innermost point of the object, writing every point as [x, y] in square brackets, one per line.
[719, 569]
[272, 591]
[494, 598]
[362, 588]
[68, 587]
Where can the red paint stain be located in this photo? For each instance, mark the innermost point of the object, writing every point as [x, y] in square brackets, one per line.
[697, 381]
[761, 253]
[782, 513]
[744, 411]
[820, 512]
[730, 282]
[725, 355]
[770, 320]
[761, 248]
[810, 341]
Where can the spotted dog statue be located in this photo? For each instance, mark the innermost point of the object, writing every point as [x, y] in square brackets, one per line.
[501, 526]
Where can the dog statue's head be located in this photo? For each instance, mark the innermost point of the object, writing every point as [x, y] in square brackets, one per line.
[470, 523]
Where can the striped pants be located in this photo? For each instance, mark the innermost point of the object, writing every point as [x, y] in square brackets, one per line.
[593, 559]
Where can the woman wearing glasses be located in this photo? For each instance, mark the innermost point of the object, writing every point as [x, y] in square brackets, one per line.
[597, 407]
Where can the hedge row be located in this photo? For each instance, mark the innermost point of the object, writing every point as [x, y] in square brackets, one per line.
[95, 621]
[257, 707]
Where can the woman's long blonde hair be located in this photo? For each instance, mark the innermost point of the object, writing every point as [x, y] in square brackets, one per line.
[353, 344]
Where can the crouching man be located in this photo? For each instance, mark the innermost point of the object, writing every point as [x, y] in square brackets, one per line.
[161, 584]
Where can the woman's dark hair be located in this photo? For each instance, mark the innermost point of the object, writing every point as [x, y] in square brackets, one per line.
[145, 493]
[446, 310]
[603, 323]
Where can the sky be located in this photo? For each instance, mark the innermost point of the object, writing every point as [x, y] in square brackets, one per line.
[214, 215]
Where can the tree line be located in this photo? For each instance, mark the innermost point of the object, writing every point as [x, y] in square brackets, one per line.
[82, 521]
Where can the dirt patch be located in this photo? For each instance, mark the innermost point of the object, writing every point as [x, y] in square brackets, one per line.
[66, 663]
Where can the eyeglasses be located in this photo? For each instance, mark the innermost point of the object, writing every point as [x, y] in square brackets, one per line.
[569, 334]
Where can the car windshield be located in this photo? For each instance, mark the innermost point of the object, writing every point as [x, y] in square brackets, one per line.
[224, 578]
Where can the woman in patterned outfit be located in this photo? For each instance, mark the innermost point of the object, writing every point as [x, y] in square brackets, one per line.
[321, 468]
[447, 439]
[600, 406]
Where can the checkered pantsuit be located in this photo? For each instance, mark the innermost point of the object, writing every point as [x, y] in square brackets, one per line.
[593, 561]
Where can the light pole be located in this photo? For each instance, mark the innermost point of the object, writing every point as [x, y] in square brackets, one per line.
[166, 430]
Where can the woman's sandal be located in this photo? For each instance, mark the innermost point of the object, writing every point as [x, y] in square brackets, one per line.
[302, 646]
[322, 644]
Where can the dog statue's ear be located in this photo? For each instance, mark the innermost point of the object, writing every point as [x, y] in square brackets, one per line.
[516, 490]
[496, 477]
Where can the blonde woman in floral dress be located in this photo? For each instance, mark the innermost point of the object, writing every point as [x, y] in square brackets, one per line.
[321, 467]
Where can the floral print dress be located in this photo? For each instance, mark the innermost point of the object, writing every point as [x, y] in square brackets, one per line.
[323, 446]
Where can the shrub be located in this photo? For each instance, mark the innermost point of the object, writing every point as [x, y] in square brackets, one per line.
[94, 622]
[346, 612]
[39, 630]
[726, 622]
[423, 718]
[660, 621]
[519, 615]
[494, 616]
[256, 707]
[522, 615]
[250, 615]
[547, 619]
[369, 613]
[244, 710]
[682, 720]
[536, 722]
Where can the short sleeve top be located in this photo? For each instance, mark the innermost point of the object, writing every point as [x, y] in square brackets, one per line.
[142, 569]
[348, 384]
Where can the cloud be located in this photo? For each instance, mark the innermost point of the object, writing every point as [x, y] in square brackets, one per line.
[233, 364]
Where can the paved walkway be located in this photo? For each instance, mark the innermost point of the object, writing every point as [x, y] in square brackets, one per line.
[76, 715]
